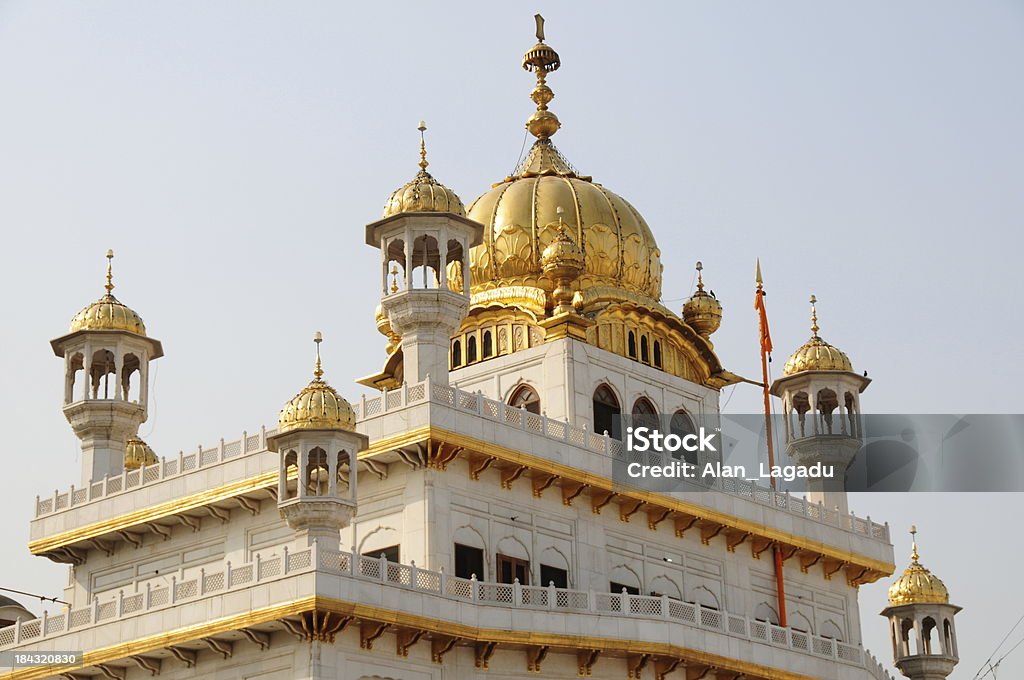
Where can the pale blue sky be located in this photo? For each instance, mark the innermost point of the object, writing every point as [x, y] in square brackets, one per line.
[231, 152]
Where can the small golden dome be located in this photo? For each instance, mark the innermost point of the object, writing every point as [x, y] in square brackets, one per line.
[317, 406]
[423, 193]
[108, 313]
[917, 585]
[703, 311]
[384, 328]
[137, 453]
[562, 251]
[816, 354]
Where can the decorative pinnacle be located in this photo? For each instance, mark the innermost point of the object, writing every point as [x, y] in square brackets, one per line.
[814, 316]
[542, 60]
[110, 271]
[913, 542]
[700, 278]
[318, 372]
[757, 275]
[423, 146]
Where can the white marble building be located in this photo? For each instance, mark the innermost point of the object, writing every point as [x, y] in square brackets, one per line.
[485, 537]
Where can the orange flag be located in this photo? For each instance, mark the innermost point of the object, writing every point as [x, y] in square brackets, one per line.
[762, 313]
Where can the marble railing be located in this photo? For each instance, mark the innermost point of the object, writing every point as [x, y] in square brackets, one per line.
[165, 468]
[491, 409]
[226, 578]
[563, 431]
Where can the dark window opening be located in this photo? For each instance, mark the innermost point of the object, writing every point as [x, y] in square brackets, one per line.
[511, 568]
[471, 349]
[657, 354]
[525, 397]
[632, 345]
[469, 561]
[488, 344]
[682, 425]
[644, 414]
[606, 412]
[619, 587]
[645, 350]
[390, 553]
[457, 353]
[549, 575]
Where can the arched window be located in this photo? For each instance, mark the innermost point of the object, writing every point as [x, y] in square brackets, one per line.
[342, 477]
[291, 469]
[488, 345]
[525, 397]
[657, 354]
[103, 372]
[631, 342]
[682, 425]
[317, 474]
[829, 629]
[766, 613]
[456, 353]
[644, 414]
[471, 349]
[645, 351]
[606, 411]
[927, 626]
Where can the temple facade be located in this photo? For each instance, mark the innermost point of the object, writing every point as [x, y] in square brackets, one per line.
[463, 521]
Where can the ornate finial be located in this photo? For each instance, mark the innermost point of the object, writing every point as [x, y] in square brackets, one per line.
[757, 275]
[814, 316]
[423, 146]
[542, 60]
[913, 541]
[394, 278]
[110, 271]
[700, 278]
[318, 372]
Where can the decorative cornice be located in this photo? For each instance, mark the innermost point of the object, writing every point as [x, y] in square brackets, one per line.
[612, 646]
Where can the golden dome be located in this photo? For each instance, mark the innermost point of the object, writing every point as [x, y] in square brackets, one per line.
[816, 354]
[522, 215]
[137, 453]
[423, 193]
[317, 406]
[520, 218]
[108, 313]
[703, 311]
[917, 585]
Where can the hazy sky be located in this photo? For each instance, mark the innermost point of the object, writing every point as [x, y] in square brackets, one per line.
[231, 152]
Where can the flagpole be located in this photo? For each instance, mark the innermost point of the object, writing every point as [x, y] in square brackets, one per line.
[766, 348]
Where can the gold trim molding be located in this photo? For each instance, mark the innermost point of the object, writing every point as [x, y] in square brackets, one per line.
[368, 613]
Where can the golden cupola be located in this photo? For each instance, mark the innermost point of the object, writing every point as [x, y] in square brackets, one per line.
[423, 193]
[558, 245]
[138, 453]
[108, 313]
[816, 354]
[917, 585]
[703, 311]
[318, 406]
[521, 213]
